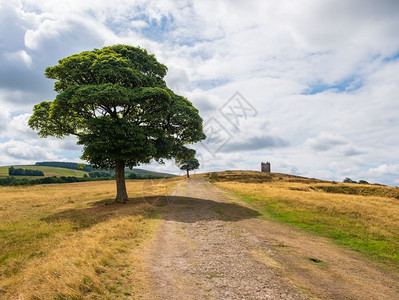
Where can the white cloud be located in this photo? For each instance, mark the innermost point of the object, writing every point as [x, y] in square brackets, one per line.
[325, 85]
[4, 117]
[177, 79]
[19, 56]
[326, 141]
[19, 123]
[15, 151]
[47, 30]
[383, 170]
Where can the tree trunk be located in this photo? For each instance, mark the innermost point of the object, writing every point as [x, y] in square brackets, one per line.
[188, 175]
[121, 194]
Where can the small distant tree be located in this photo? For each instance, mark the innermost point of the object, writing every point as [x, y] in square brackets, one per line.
[188, 165]
[363, 182]
[348, 180]
[11, 171]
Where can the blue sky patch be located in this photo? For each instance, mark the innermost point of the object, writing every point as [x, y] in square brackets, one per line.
[391, 58]
[347, 85]
[158, 30]
[210, 84]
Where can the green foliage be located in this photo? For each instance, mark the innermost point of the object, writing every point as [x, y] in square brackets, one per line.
[100, 174]
[348, 180]
[189, 164]
[118, 105]
[66, 165]
[142, 176]
[363, 182]
[12, 181]
[24, 172]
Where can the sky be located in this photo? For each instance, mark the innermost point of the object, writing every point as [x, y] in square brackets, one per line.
[310, 86]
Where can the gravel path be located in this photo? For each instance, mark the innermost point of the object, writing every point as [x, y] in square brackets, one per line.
[210, 246]
[200, 254]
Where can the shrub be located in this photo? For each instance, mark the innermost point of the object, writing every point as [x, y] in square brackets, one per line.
[348, 180]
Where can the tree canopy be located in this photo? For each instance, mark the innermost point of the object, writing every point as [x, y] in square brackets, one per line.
[188, 165]
[117, 103]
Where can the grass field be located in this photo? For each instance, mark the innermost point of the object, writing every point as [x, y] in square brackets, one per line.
[48, 171]
[67, 241]
[363, 217]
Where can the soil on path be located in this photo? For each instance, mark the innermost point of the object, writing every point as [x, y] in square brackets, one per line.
[211, 246]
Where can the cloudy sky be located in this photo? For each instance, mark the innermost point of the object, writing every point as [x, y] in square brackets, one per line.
[311, 86]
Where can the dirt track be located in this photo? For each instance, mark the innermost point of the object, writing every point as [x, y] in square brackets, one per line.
[210, 246]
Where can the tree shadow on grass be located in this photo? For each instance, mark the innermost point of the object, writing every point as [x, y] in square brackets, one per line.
[180, 209]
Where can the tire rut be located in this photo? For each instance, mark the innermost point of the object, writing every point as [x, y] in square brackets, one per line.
[200, 254]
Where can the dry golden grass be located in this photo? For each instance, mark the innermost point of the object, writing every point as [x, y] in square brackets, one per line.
[366, 223]
[67, 241]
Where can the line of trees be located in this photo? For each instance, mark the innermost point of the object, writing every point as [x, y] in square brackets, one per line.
[12, 181]
[348, 180]
[102, 174]
[24, 172]
[142, 176]
[66, 165]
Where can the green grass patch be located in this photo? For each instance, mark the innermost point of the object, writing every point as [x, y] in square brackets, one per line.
[344, 229]
[48, 171]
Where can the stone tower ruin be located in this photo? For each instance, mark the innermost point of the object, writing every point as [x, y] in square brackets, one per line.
[265, 167]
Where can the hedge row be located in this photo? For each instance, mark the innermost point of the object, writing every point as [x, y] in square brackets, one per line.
[24, 172]
[12, 181]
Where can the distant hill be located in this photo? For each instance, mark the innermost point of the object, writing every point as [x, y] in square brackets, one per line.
[258, 177]
[145, 172]
[88, 168]
[48, 171]
[69, 169]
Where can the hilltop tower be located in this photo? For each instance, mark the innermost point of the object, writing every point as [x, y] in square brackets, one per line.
[265, 167]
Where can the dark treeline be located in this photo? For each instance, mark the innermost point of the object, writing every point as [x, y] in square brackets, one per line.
[142, 176]
[12, 181]
[24, 172]
[66, 165]
[95, 172]
[99, 174]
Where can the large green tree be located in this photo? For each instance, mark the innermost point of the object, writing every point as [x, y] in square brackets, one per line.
[116, 102]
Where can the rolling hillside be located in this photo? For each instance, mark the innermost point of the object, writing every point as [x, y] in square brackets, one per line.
[48, 171]
[58, 172]
[145, 172]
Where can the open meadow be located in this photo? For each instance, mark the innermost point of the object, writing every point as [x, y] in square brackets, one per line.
[68, 241]
[363, 217]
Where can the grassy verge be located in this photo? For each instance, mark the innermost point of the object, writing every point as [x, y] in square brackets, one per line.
[68, 241]
[359, 189]
[369, 224]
